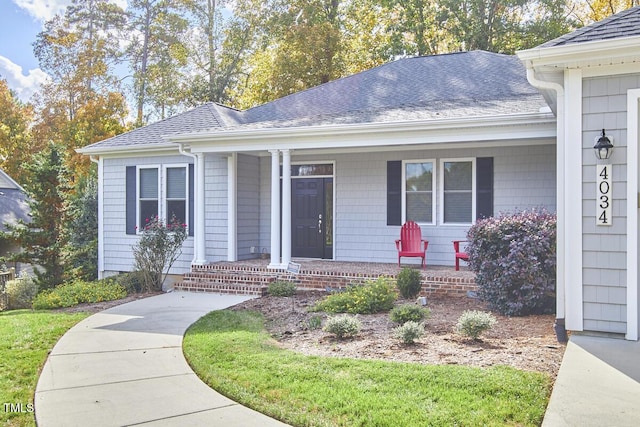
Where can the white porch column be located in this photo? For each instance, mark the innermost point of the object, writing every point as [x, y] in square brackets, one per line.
[232, 207]
[275, 209]
[199, 257]
[286, 207]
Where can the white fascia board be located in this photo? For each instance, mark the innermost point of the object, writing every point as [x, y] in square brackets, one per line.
[128, 150]
[477, 129]
[576, 55]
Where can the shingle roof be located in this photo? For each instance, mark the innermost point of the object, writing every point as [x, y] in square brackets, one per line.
[203, 117]
[431, 84]
[13, 202]
[463, 84]
[622, 24]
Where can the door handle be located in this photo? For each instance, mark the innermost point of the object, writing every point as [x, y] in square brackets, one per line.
[320, 223]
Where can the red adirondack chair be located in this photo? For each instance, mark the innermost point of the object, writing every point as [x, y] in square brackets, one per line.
[411, 244]
[459, 254]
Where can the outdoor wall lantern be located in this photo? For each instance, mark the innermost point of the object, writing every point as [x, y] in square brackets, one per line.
[603, 147]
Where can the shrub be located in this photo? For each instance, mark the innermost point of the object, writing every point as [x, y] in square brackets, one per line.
[408, 313]
[409, 332]
[514, 258]
[343, 326]
[159, 247]
[409, 282]
[314, 322]
[78, 292]
[374, 296]
[132, 282]
[282, 288]
[473, 323]
[20, 292]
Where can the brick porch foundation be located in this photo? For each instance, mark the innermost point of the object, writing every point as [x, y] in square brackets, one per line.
[253, 276]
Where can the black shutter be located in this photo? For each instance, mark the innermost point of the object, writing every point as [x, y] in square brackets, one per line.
[484, 187]
[131, 200]
[191, 200]
[394, 192]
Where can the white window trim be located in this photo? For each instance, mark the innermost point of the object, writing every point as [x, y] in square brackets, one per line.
[139, 226]
[473, 190]
[433, 189]
[162, 193]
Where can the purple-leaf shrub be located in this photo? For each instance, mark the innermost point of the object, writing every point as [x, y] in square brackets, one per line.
[514, 258]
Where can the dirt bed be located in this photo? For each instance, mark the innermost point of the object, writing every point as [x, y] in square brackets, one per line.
[527, 343]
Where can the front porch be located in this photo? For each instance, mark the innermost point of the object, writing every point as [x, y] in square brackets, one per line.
[253, 276]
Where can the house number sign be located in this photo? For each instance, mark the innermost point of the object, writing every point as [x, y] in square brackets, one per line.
[603, 201]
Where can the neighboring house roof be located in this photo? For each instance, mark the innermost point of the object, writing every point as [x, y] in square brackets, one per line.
[622, 24]
[13, 202]
[203, 117]
[456, 85]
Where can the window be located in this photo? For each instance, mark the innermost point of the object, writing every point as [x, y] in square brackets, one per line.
[176, 194]
[163, 193]
[458, 191]
[148, 195]
[419, 191]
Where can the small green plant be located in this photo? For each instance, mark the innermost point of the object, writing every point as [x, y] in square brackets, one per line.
[409, 332]
[374, 296]
[282, 288]
[343, 326]
[78, 292]
[473, 323]
[409, 313]
[409, 282]
[314, 322]
[20, 292]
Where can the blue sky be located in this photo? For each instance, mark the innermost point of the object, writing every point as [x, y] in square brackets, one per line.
[20, 23]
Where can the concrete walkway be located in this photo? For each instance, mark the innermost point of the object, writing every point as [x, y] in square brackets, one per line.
[124, 366]
[598, 384]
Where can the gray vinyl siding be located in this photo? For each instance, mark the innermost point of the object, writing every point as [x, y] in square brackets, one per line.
[604, 248]
[248, 206]
[524, 178]
[216, 213]
[118, 245]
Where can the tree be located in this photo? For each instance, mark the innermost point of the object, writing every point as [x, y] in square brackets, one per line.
[589, 11]
[156, 54]
[220, 43]
[81, 104]
[15, 136]
[414, 26]
[42, 238]
[81, 229]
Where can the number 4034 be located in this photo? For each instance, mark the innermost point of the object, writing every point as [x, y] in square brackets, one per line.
[603, 201]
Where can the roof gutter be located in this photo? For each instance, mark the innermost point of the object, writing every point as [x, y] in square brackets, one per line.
[559, 327]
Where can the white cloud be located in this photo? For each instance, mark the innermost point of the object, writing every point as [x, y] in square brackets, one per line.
[23, 86]
[43, 10]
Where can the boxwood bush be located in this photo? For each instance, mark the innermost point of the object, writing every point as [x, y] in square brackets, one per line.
[514, 258]
[409, 282]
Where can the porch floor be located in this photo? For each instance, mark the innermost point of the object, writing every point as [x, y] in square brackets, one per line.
[253, 276]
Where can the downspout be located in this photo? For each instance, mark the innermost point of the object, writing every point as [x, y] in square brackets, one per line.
[559, 326]
[182, 151]
[98, 162]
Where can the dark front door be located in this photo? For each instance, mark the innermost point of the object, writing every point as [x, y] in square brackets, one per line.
[312, 217]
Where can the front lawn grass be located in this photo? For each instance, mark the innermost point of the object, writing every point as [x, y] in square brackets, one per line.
[27, 337]
[232, 352]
